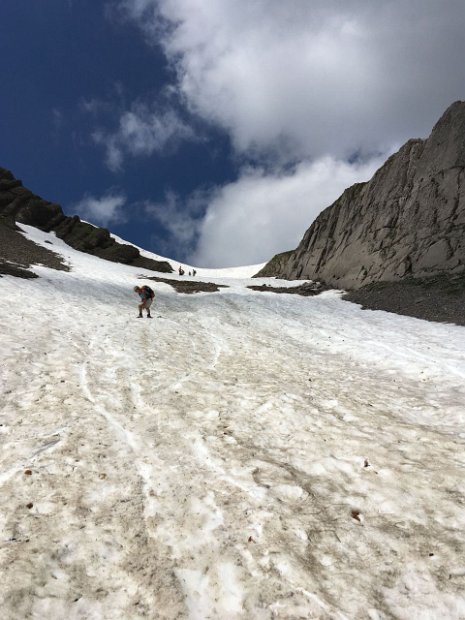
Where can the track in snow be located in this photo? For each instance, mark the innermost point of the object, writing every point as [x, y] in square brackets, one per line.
[244, 456]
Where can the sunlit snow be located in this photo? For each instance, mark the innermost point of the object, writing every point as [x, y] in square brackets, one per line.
[242, 455]
[246, 271]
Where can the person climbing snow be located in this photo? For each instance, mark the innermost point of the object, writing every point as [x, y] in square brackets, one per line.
[146, 295]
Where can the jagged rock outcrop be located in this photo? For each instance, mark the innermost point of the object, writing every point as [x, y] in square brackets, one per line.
[407, 221]
[276, 265]
[21, 205]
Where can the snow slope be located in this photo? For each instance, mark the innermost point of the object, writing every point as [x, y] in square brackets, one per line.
[246, 271]
[243, 455]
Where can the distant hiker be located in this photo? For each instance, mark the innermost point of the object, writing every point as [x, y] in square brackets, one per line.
[146, 295]
[181, 271]
[194, 272]
[189, 273]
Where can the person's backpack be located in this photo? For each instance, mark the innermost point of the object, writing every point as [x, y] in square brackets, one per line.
[148, 291]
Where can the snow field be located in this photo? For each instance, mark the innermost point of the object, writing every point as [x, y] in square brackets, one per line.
[242, 455]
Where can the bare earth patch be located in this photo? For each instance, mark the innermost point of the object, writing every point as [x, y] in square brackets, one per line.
[438, 298]
[307, 289]
[187, 286]
[18, 253]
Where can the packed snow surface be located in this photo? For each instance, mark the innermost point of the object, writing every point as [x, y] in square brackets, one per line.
[242, 455]
[247, 271]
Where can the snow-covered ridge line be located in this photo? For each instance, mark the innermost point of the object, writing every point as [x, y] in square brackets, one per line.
[246, 271]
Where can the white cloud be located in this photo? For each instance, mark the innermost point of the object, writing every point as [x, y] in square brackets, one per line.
[105, 211]
[57, 123]
[95, 106]
[180, 219]
[260, 214]
[316, 78]
[141, 132]
[314, 82]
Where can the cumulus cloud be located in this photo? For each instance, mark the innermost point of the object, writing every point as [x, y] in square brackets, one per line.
[316, 91]
[106, 210]
[312, 78]
[180, 221]
[57, 123]
[260, 214]
[142, 131]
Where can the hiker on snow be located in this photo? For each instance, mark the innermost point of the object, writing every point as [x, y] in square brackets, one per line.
[146, 296]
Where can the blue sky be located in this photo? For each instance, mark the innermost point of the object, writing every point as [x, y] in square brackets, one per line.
[215, 131]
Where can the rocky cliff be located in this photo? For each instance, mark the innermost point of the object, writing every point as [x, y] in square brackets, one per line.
[408, 221]
[275, 266]
[19, 204]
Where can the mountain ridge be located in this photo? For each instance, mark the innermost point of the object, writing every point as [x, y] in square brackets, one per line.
[407, 221]
[19, 204]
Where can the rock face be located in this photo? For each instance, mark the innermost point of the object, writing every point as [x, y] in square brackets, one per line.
[407, 221]
[276, 265]
[19, 204]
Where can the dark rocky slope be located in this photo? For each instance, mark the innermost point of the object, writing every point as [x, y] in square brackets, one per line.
[438, 298]
[408, 221]
[17, 253]
[20, 204]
